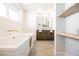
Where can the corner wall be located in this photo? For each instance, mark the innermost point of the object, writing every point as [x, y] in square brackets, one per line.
[60, 27]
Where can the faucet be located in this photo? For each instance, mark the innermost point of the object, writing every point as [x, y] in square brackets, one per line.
[12, 30]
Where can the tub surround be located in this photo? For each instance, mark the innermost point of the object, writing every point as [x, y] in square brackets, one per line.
[9, 26]
[16, 44]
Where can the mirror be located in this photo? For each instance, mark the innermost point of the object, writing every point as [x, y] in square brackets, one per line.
[44, 21]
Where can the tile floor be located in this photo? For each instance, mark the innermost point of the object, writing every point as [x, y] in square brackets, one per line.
[42, 48]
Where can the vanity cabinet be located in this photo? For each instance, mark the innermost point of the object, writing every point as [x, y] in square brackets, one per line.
[45, 35]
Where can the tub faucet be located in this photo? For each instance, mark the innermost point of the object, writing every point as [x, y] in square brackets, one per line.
[12, 31]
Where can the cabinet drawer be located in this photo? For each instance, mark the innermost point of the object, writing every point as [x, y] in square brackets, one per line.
[45, 35]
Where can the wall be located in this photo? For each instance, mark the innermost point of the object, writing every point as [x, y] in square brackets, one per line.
[29, 22]
[68, 5]
[7, 24]
[23, 21]
[54, 18]
[60, 27]
[72, 26]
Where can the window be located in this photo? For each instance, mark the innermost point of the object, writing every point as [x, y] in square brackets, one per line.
[10, 11]
[2, 10]
[14, 15]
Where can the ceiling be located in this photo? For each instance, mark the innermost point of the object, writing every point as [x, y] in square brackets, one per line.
[39, 6]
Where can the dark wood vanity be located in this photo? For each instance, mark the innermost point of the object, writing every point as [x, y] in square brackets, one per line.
[45, 35]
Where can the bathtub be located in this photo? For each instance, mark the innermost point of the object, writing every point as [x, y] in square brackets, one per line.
[18, 44]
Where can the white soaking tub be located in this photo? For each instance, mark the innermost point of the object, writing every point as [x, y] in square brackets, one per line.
[15, 44]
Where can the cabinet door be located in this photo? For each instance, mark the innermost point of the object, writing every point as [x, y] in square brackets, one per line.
[51, 35]
[39, 35]
[45, 35]
[48, 34]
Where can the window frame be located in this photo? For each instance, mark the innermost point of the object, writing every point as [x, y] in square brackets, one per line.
[14, 8]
